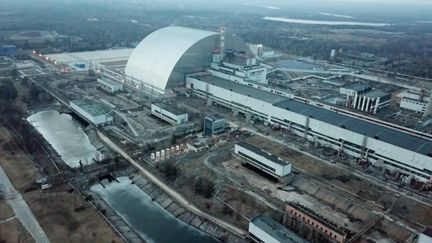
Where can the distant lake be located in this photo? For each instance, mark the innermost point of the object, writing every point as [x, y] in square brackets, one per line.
[145, 216]
[323, 22]
[65, 135]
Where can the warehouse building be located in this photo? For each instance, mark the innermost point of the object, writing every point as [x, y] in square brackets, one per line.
[262, 160]
[264, 229]
[395, 149]
[214, 125]
[94, 113]
[169, 113]
[109, 85]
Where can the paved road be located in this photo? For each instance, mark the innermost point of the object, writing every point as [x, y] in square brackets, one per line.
[21, 210]
[174, 194]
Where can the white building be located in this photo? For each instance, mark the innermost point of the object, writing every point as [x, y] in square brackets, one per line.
[262, 160]
[396, 149]
[109, 85]
[169, 113]
[264, 229]
[413, 105]
[94, 113]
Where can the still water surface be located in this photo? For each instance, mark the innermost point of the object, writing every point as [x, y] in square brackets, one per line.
[147, 217]
[65, 135]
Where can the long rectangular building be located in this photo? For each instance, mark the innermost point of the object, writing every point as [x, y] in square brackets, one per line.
[382, 146]
[259, 158]
[169, 113]
[94, 113]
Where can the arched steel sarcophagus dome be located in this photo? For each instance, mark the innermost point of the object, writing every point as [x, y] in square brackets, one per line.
[163, 58]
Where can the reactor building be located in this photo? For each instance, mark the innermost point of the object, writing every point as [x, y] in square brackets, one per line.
[163, 58]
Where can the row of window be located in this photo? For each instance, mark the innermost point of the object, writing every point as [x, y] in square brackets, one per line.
[325, 230]
[258, 162]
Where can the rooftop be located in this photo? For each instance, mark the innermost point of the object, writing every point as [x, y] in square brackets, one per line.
[389, 135]
[276, 230]
[357, 86]
[263, 153]
[369, 129]
[93, 108]
[169, 108]
[215, 117]
[242, 89]
[376, 94]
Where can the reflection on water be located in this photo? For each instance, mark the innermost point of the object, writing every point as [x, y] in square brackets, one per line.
[65, 135]
[146, 217]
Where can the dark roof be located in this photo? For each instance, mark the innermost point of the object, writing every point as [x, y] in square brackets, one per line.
[276, 230]
[169, 108]
[357, 86]
[263, 153]
[241, 89]
[215, 117]
[369, 129]
[376, 94]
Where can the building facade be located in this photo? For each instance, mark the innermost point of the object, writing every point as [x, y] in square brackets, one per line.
[169, 113]
[94, 113]
[214, 125]
[262, 160]
[393, 149]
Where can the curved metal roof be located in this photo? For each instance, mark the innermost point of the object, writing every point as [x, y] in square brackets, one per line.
[155, 57]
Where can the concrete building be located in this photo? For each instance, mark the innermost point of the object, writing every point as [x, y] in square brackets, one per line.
[264, 229]
[160, 62]
[109, 85]
[214, 125]
[371, 101]
[169, 113]
[308, 217]
[238, 67]
[396, 149]
[262, 160]
[94, 113]
[414, 105]
[351, 89]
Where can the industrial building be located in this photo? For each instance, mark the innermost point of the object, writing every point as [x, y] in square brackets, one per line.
[353, 88]
[371, 101]
[214, 125]
[264, 229]
[238, 67]
[262, 160]
[161, 61]
[109, 85]
[307, 216]
[394, 149]
[94, 113]
[414, 105]
[168, 113]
